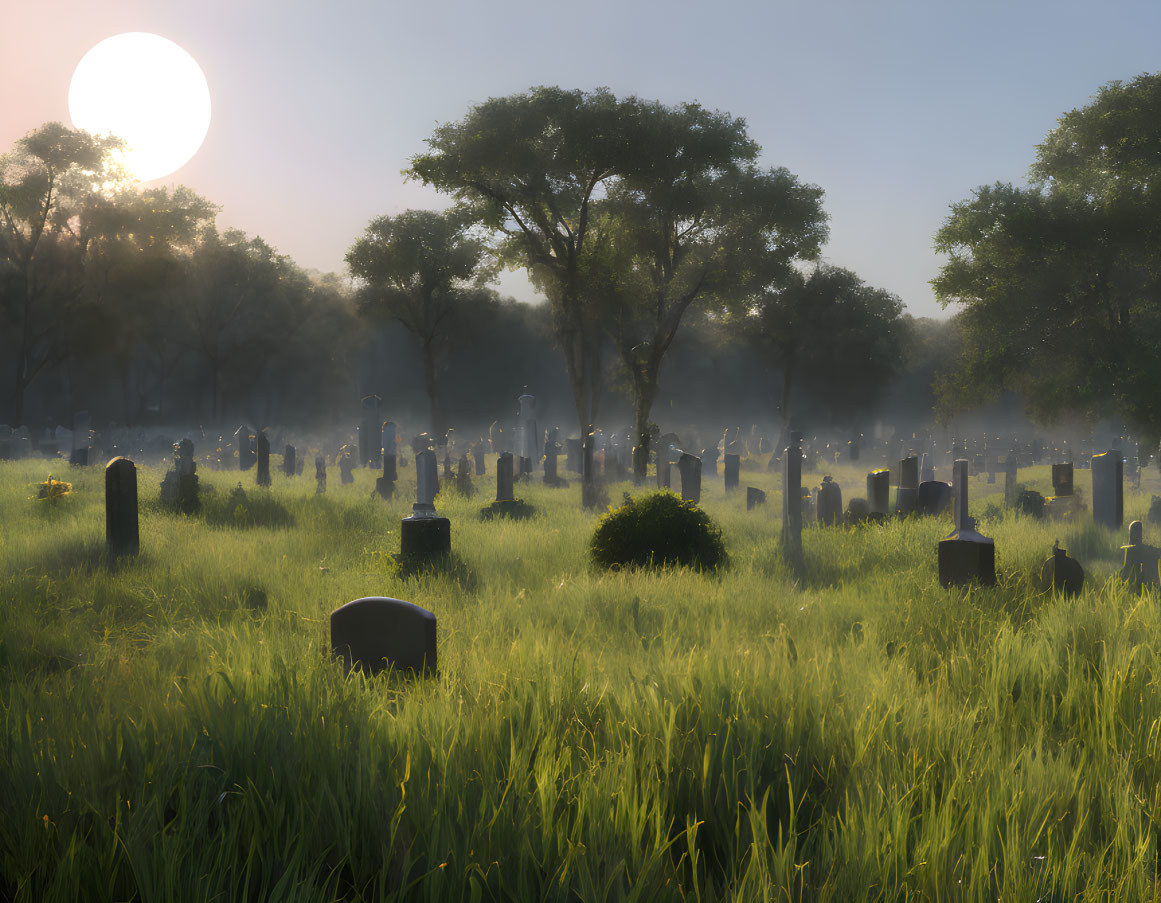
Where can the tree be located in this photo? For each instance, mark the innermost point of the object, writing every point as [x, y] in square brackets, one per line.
[533, 164]
[695, 219]
[426, 270]
[48, 182]
[1060, 281]
[831, 331]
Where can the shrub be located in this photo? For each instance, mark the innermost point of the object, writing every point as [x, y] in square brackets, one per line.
[1030, 503]
[658, 529]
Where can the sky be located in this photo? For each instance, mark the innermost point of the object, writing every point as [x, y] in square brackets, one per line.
[896, 109]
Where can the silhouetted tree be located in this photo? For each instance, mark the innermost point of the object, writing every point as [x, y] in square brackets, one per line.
[1060, 281]
[49, 183]
[426, 270]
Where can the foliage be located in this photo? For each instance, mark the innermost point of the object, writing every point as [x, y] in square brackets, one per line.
[427, 271]
[655, 530]
[1059, 280]
[829, 329]
[862, 735]
[51, 490]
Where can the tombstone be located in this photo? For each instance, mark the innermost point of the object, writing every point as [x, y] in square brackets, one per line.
[572, 455]
[346, 465]
[121, 525]
[731, 470]
[1062, 479]
[664, 478]
[879, 491]
[1108, 502]
[320, 474]
[926, 469]
[1140, 567]
[959, 489]
[425, 535]
[1062, 574]
[1011, 465]
[551, 456]
[82, 429]
[830, 502]
[965, 557]
[590, 492]
[242, 439]
[464, 477]
[369, 434]
[754, 497]
[504, 478]
[376, 634]
[934, 497]
[389, 443]
[263, 459]
[289, 467]
[478, 455]
[179, 487]
[907, 494]
[858, 512]
[689, 466]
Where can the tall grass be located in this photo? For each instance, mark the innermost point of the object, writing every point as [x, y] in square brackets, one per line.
[175, 728]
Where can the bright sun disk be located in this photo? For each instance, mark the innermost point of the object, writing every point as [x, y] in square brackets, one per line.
[147, 90]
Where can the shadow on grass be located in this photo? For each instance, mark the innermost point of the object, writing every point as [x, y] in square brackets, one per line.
[449, 565]
[243, 510]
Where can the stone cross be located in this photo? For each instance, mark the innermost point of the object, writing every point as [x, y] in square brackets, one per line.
[121, 524]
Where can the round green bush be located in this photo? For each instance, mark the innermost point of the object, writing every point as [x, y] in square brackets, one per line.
[658, 529]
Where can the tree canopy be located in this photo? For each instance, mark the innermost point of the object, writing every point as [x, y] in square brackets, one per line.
[1060, 281]
[426, 270]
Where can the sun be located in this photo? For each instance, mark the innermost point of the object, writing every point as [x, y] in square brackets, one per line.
[147, 90]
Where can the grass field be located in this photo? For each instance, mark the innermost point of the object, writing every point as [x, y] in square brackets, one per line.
[175, 728]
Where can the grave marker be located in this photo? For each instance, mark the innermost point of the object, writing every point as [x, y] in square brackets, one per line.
[689, 466]
[377, 633]
[1108, 487]
[122, 536]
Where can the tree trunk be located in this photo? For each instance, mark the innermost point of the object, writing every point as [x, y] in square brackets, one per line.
[438, 427]
[784, 425]
[644, 394]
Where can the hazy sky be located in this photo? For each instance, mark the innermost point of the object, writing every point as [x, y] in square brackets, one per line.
[896, 109]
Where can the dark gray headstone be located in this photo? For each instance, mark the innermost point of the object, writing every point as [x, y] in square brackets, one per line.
[879, 491]
[377, 633]
[934, 497]
[263, 459]
[731, 469]
[289, 468]
[1062, 479]
[830, 503]
[504, 478]
[320, 474]
[689, 466]
[121, 524]
[965, 557]
[1108, 488]
[754, 497]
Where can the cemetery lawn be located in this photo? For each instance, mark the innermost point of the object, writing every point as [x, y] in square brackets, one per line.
[176, 729]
